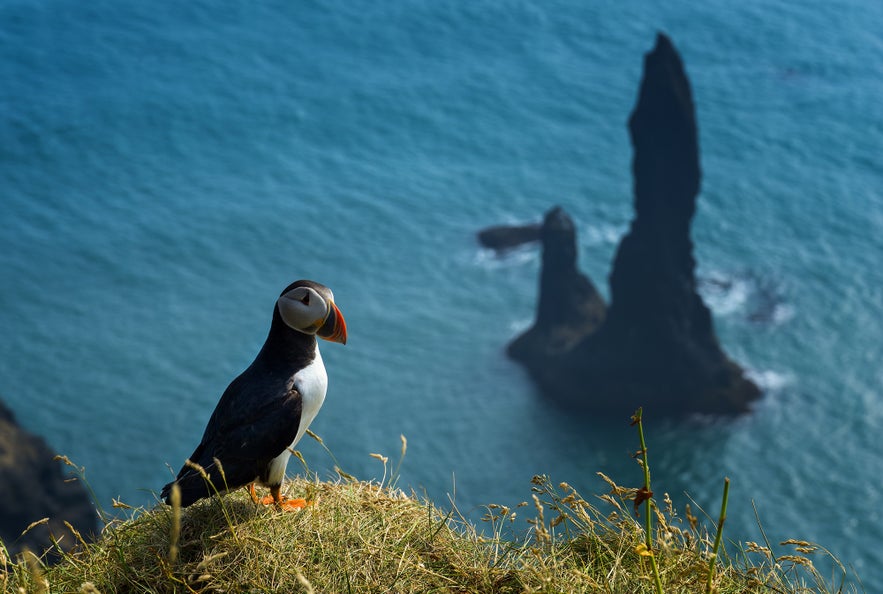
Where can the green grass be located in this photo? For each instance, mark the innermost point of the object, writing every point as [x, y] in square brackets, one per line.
[359, 536]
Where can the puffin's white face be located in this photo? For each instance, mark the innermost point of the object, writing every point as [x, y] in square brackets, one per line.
[310, 311]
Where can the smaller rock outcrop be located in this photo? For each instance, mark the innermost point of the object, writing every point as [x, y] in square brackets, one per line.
[33, 487]
[570, 308]
[507, 237]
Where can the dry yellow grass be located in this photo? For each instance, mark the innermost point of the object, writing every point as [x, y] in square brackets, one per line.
[368, 537]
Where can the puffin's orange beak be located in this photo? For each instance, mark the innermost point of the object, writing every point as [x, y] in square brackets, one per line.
[334, 328]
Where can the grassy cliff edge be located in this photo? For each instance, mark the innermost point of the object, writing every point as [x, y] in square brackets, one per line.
[360, 536]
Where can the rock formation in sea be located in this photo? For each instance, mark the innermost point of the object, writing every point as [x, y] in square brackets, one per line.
[506, 237]
[655, 345]
[569, 307]
[32, 487]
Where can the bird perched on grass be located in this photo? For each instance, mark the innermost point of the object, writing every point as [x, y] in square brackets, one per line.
[265, 411]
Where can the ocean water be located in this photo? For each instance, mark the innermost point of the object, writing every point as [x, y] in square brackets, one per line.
[167, 168]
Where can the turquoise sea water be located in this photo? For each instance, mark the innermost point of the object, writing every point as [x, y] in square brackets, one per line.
[167, 168]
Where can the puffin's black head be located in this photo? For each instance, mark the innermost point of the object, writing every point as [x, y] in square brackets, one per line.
[308, 307]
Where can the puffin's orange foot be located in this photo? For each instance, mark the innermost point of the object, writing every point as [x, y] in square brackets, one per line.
[276, 498]
[294, 504]
[286, 504]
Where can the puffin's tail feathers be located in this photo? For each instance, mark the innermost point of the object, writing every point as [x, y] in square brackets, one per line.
[196, 482]
[191, 491]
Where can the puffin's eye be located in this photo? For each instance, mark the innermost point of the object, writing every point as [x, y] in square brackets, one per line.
[306, 299]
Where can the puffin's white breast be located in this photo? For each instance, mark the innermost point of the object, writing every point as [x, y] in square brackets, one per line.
[312, 383]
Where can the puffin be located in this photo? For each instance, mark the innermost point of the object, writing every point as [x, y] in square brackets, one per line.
[266, 410]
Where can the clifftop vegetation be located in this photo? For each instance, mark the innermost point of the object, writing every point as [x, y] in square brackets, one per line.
[359, 536]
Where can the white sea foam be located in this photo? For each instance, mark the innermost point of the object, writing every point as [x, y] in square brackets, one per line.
[518, 326]
[757, 299]
[514, 258]
[769, 380]
[725, 295]
[782, 313]
[600, 234]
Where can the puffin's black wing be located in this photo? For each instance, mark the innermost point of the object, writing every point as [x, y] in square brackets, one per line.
[255, 420]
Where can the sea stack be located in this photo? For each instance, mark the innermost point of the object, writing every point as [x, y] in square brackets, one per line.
[656, 346]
